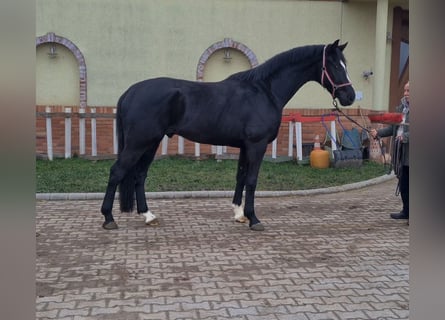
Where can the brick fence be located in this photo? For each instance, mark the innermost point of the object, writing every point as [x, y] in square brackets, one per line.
[104, 147]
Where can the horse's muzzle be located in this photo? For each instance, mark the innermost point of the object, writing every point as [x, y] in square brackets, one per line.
[346, 96]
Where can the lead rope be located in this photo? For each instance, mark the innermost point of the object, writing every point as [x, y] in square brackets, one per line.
[385, 164]
[334, 103]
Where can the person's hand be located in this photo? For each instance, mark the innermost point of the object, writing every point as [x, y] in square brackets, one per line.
[373, 133]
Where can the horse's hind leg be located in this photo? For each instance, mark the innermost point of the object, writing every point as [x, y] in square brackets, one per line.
[141, 176]
[240, 183]
[117, 173]
[107, 204]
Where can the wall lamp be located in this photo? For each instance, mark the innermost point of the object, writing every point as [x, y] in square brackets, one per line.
[367, 74]
[227, 56]
[52, 51]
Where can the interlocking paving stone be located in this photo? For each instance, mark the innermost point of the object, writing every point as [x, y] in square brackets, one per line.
[322, 256]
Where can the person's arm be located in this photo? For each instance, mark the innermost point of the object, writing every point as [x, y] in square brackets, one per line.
[387, 131]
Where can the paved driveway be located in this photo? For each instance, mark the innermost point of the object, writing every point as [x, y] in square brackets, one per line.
[325, 256]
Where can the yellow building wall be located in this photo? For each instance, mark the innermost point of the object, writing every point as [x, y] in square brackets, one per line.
[358, 29]
[125, 41]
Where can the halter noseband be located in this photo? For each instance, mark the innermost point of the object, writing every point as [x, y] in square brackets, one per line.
[325, 72]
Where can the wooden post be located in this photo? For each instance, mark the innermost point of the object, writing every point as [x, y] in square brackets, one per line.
[164, 145]
[115, 139]
[197, 150]
[290, 150]
[49, 133]
[180, 145]
[274, 149]
[67, 133]
[81, 131]
[93, 133]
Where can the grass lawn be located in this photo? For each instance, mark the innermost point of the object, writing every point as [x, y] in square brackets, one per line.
[181, 174]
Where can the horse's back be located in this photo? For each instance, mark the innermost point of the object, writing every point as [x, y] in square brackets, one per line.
[149, 90]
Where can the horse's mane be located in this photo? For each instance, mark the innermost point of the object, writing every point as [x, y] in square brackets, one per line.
[279, 61]
[275, 63]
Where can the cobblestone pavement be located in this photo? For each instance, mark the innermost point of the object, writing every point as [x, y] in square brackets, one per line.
[325, 256]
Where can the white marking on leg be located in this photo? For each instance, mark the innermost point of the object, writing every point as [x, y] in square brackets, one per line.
[239, 213]
[150, 218]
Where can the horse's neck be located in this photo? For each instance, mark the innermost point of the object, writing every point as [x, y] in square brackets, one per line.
[285, 83]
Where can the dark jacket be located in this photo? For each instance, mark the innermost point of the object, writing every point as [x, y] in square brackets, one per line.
[392, 131]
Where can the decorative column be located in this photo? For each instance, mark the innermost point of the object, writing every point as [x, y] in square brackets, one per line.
[381, 28]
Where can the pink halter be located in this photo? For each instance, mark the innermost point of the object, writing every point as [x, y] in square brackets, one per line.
[325, 72]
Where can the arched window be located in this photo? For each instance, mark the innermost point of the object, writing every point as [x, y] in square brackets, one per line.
[221, 46]
[51, 37]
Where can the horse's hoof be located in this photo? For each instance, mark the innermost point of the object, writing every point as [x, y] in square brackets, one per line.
[153, 223]
[257, 227]
[111, 225]
[241, 220]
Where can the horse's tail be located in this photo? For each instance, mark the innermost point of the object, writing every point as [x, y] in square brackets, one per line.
[127, 185]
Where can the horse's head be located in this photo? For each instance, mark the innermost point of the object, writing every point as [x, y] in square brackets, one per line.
[334, 76]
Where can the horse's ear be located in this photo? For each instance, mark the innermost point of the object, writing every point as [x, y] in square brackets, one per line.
[333, 45]
[343, 46]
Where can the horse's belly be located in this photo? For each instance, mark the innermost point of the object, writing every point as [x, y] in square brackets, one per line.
[212, 138]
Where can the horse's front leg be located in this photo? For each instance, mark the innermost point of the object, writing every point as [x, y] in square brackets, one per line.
[254, 158]
[249, 206]
[239, 188]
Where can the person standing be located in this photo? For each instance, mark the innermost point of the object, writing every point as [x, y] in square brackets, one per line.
[400, 158]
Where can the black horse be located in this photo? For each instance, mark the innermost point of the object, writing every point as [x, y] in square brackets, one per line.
[242, 111]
